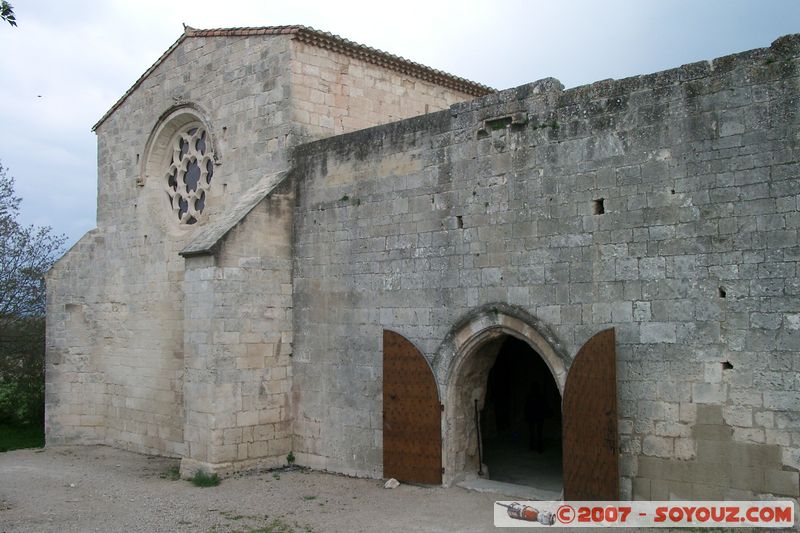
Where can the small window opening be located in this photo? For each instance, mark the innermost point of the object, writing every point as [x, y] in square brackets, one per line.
[722, 292]
[672, 191]
[499, 123]
[726, 365]
[494, 124]
[460, 221]
[598, 206]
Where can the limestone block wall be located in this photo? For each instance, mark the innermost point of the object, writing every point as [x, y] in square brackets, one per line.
[239, 87]
[665, 206]
[333, 93]
[238, 342]
[130, 291]
[75, 390]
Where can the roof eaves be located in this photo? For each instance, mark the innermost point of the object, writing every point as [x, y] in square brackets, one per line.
[142, 78]
[339, 44]
[193, 32]
[323, 40]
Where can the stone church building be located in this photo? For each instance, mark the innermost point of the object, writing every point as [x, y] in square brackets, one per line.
[308, 245]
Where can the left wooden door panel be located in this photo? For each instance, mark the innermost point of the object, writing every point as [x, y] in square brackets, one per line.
[412, 431]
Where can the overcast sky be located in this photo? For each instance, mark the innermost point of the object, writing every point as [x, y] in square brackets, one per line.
[68, 62]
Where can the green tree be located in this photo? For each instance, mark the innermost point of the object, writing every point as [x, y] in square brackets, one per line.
[26, 254]
[7, 13]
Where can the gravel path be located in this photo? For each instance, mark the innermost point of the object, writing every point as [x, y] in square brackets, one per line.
[96, 488]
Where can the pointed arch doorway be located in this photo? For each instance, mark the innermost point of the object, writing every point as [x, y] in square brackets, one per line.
[500, 365]
[587, 467]
[520, 418]
[416, 441]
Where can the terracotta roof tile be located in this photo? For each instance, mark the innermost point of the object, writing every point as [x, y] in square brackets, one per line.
[323, 40]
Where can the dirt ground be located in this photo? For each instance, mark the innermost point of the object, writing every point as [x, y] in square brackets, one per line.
[96, 488]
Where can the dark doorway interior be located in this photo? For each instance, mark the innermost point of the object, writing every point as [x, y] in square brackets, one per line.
[521, 419]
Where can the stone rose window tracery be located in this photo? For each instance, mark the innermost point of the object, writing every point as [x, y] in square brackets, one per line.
[190, 171]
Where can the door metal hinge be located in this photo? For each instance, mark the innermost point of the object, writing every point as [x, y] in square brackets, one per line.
[441, 406]
[442, 470]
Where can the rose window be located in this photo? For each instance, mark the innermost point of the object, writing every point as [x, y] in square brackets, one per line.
[190, 172]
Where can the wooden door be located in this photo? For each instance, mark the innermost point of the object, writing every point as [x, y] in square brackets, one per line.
[412, 431]
[591, 450]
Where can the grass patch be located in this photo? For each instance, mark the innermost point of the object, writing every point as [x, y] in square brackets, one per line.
[19, 437]
[308, 498]
[203, 479]
[173, 474]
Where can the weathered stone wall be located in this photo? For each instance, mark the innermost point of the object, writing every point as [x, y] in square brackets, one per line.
[160, 355]
[75, 387]
[334, 93]
[238, 341]
[664, 205]
[130, 287]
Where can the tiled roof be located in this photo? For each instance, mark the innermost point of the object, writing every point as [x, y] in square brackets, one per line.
[327, 41]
